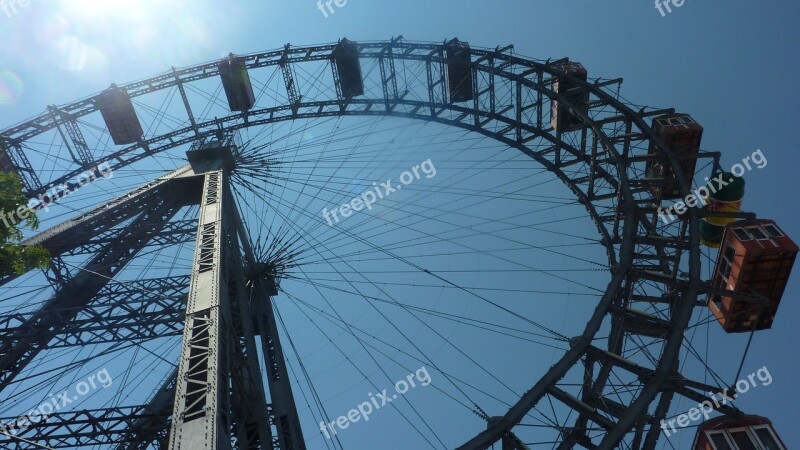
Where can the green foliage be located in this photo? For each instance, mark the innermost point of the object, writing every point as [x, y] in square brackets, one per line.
[14, 214]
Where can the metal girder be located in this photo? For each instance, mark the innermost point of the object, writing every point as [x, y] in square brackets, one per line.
[250, 415]
[81, 229]
[388, 80]
[510, 441]
[186, 104]
[155, 427]
[92, 427]
[121, 311]
[549, 381]
[84, 155]
[219, 342]
[202, 408]
[58, 274]
[12, 150]
[19, 349]
[128, 428]
[286, 421]
[435, 105]
[337, 82]
[506, 64]
[25, 337]
[175, 232]
[287, 434]
[317, 109]
[290, 81]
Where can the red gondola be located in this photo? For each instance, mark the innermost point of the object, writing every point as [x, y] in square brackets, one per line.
[682, 136]
[755, 259]
[746, 433]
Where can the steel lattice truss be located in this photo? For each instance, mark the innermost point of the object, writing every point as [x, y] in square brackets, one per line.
[655, 267]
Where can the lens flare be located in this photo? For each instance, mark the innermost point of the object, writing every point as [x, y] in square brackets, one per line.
[11, 88]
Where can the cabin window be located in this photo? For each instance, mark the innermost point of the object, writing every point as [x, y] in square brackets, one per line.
[730, 253]
[743, 440]
[757, 233]
[727, 261]
[741, 234]
[759, 437]
[767, 438]
[772, 231]
[719, 441]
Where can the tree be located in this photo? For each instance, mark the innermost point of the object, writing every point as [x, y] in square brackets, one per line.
[14, 213]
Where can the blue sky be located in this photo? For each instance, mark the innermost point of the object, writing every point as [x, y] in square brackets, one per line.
[729, 64]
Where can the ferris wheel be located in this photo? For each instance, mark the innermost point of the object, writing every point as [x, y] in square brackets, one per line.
[247, 244]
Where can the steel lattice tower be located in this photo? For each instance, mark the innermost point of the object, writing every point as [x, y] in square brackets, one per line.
[228, 310]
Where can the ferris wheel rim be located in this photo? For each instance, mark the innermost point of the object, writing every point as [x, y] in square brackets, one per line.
[620, 261]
